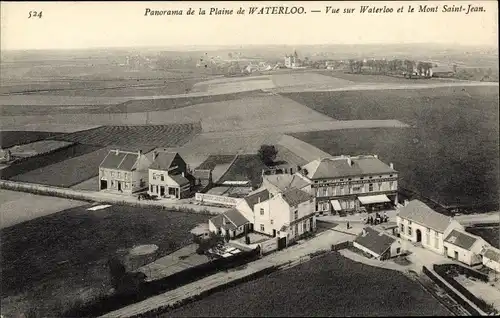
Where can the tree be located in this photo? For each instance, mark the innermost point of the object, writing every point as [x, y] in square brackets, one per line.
[351, 65]
[267, 154]
[204, 244]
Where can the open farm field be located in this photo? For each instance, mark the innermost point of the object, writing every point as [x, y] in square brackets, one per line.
[68, 172]
[234, 84]
[214, 160]
[27, 164]
[38, 148]
[17, 105]
[245, 167]
[18, 207]
[460, 167]
[248, 113]
[11, 138]
[226, 144]
[106, 88]
[136, 136]
[53, 129]
[371, 78]
[58, 261]
[309, 79]
[327, 286]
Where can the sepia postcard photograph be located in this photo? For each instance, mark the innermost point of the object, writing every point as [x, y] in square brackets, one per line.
[249, 159]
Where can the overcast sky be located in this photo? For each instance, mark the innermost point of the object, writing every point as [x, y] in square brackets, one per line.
[99, 24]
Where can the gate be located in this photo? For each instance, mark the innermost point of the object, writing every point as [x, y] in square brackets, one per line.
[281, 243]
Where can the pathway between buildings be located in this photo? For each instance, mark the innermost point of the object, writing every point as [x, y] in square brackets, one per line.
[322, 241]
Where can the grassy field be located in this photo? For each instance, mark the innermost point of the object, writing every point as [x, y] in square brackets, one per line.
[25, 165]
[50, 263]
[312, 79]
[329, 286]
[68, 172]
[455, 133]
[490, 234]
[234, 84]
[38, 148]
[172, 135]
[245, 167]
[12, 138]
[18, 207]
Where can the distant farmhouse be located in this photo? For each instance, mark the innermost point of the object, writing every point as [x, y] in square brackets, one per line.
[124, 171]
[292, 61]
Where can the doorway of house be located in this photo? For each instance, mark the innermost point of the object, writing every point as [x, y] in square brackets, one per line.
[119, 186]
[162, 191]
[274, 233]
[104, 184]
[419, 236]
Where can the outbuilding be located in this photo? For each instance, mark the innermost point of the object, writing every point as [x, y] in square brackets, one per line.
[378, 244]
[464, 247]
[491, 258]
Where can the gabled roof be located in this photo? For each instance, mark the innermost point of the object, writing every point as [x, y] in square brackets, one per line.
[461, 239]
[492, 254]
[230, 219]
[417, 211]
[236, 217]
[257, 197]
[375, 241]
[120, 160]
[163, 161]
[346, 167]
[285, 181]
[295, 196]
[179, 179]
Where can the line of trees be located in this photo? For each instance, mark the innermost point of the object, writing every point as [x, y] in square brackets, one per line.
[405, 67]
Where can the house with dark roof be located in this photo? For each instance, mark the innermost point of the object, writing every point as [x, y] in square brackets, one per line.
[169, 176]
[348, 183]
[229, 223]
[491, 258]
[124, 171]
[420, 224]
[464, 247]
[287, 215]
[281, 182]
[378, 244]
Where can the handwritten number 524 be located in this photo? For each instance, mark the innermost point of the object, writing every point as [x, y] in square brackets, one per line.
[35, 14]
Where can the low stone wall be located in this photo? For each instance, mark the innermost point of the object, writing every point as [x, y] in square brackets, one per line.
[91, 196]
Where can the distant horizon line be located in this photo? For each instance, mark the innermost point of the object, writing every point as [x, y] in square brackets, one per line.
[202, 47]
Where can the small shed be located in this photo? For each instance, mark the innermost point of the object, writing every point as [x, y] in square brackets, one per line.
[378, 244]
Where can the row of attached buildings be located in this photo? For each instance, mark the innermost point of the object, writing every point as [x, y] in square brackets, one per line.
[420, 224]
[286, 204]
[162, 173]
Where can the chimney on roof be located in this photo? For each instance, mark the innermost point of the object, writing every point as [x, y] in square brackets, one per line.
[349, 161]
[139, 152]
[183, 174]
[406, 202]
[376, 156]
[117, 152]
[258, 199]
[391, 165]
[364, 232]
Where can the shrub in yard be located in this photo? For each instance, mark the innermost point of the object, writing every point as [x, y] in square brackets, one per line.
[204, 244]
[267, 154]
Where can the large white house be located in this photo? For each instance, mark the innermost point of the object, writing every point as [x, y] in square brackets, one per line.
[464, 247]
[418, 223]
[348, 183]
[124, 171]
[169, 176]
[289, 215]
